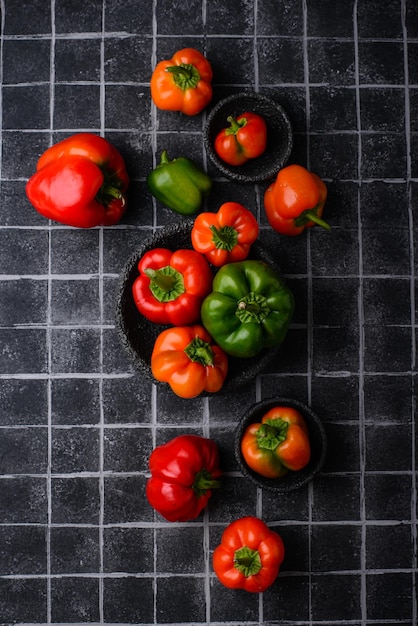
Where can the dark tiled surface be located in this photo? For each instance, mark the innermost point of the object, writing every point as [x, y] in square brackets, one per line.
[78, 542]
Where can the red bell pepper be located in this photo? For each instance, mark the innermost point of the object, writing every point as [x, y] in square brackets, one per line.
[172, 285]
[295, 201]
[182, 83]
[225, 236]
[278, 444]
[188, 360]
[244, 139]
[183, 473]
[81, 182]
[249, 555]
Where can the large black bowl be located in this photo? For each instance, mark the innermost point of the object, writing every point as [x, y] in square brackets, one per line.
[279, 136]
[317, 436]
[138, 334]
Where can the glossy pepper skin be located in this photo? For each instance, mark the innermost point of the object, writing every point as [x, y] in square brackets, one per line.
[295, 201]
[182, 83]
[171, 285]
[183, 473]
[277, 444]
[187, 358]
[225, 236]
[245, 138]
[179, 184]
[249, 308]
[81, 182]
[249, 555]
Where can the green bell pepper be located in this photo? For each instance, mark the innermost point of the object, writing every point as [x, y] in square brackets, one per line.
[250, 308]
[179, 184]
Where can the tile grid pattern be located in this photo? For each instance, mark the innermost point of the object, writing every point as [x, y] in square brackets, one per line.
[93, 453]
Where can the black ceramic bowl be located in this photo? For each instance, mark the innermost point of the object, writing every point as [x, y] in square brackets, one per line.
[279, 136]
[318, 440]
[138, 334]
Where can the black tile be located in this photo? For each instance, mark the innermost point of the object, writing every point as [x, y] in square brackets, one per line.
[15, 208]
[280, 18]
[75, 500]
[331, 62]
[343, 453]
[172, 409]
[77, 60]
[136, 112]
[341, 207]
[127, 449]
[280, 61]
[23, 402]
[335, 349]
[136, 149]
[387, 118]
[181, 19]
[390, 596]
[334, 155]
[23, 301]
[130, 20]
[23, 500]
[75, 401]
[128, 550]
[118, 247]
[72, 16]
[75, 251]
[387, 347]
[128, 59]
[23, 450]
[26, 253]
[383, 156]
[230, 18]
[25, 59]
[128, 600]
[74, 550]
[388, 497]
[26, 107]
[23, 600]
[332, 109]
[16, 22]
[381, 63]
[75, 350]
[24, 351]
[235, 499]
[23, 550]
[296, 539]
[288, 599]
[192, 608]
[334, 301]
[20, 153]
[336, 597]
[411, 14]
[124, 500]
[325, 391]
[388, 398]
[232, 604]
[386, 251]
[240, 67]
[75, 450]
[370, 15]
[126, 400]
[397, 552]
[228, 408]
[75, 302]
[336, 498]
[344, 548]
[190, 560]
[386, 301]
[413, 108]
[330, 20]
[75, 599]
[115, 358]
[292, 355]
[291, 386]
[293, 100]
[377, 197]
[77, 107]
[412, 62]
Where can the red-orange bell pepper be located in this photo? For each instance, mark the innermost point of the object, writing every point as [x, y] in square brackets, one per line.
[225, 236]
[278, 444]
[249, 555]
[244, 139]
[171, 286]
[183, 473]
[81, 182]
[188, 360]
[182, 83]
[295, 201]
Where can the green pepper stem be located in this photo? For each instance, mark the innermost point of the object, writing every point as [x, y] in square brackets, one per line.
[224, 238]
[199, 351]
[164, 158]
[235, 125]
[247, 561]
[185, 75]
[310, 216]
[166, 284]
[203, 481]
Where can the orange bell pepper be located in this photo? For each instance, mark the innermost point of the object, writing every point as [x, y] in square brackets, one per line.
[225, 236]
[278, 444]
[295, 201]
[182, 83]
[186, 358]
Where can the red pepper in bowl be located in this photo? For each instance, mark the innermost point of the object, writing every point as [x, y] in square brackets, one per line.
[245, 138]
[81, 182]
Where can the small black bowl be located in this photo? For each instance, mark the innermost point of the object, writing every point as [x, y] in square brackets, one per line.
[138, 334]
[317, 436]
[279, 136]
